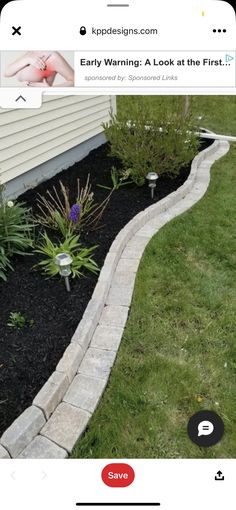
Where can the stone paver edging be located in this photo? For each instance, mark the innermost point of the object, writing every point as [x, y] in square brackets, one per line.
[61, 410]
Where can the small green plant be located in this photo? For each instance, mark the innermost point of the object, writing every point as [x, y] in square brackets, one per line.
[162, 141]
[16, 320]
[81, 256]
[57, 213]
[117, 181]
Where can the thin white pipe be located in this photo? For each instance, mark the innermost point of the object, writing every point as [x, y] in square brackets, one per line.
[207, 134]
[215, 136]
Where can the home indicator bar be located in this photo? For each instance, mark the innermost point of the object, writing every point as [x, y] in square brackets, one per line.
[119, 504]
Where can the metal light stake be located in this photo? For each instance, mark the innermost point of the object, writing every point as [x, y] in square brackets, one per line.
[64, 261]
[152, 181]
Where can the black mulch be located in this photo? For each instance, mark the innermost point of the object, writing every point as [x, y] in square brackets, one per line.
[30, 355]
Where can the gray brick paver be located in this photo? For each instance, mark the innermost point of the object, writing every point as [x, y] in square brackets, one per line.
[114, 316]
[107, 337]
[97, 363]
[3, 453]
[66, 425]
[85, 392]
[23, 430]
[52, 393]
[43, 448]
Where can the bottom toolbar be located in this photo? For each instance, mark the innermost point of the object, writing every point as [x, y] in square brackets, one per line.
[120, 484]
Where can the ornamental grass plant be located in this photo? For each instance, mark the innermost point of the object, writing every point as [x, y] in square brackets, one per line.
[58, 213]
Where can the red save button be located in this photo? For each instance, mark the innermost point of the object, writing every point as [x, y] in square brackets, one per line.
[118, 475]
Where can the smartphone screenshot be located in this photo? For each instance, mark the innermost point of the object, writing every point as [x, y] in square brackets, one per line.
[117, 255]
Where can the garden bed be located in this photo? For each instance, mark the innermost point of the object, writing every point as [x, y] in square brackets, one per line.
[29, 355]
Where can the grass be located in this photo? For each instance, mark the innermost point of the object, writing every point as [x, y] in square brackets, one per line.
[217, 112]
[178, 352]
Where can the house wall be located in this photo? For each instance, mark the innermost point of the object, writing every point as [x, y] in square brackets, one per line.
[36, 144]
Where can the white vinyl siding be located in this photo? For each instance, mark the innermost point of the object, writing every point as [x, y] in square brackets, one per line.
[32, 137]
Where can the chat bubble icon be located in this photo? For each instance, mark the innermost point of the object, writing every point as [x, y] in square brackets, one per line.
[205, 428]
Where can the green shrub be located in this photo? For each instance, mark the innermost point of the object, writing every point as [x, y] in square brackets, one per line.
[162, 141]
[82, 257]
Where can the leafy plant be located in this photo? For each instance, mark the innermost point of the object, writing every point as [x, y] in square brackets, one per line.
[162, 141]
[81, 256]
[16, 320]
[16, 232]
[4, 264]
[117, 181]
[57, 212]
[63, 225]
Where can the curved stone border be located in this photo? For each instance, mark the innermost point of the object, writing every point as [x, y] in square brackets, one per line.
[61, 410]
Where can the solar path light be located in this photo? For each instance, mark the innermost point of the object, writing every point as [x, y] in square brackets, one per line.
[64, 261]
[152, 181]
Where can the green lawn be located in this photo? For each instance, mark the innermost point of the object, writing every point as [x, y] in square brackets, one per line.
[178, 352]
[218, 112]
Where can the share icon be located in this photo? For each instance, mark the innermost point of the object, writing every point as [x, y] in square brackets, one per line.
[228, 58]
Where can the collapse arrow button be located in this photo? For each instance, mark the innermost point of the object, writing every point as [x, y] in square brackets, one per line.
[20, 97]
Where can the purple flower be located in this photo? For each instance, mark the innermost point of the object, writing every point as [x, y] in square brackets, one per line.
[74, 213]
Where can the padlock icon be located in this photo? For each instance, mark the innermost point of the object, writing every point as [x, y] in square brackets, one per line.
[82, 31]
